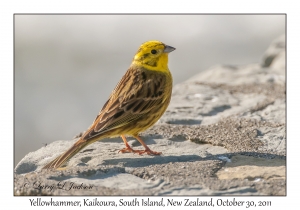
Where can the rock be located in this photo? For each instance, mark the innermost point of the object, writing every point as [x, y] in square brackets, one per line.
[275, 54]
[224, 133]
[253, 168]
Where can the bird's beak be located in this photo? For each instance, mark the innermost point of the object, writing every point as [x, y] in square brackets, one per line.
[168, 49]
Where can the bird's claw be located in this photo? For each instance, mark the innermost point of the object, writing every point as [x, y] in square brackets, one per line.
[140, 152]
[149, 152]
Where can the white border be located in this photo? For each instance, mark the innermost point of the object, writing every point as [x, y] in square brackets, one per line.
[8, 8]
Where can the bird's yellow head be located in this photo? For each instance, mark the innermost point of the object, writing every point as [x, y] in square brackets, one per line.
[153, 55]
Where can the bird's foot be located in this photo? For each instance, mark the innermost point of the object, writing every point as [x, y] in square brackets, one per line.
[149, 152]
[129, 149]
[140, 152]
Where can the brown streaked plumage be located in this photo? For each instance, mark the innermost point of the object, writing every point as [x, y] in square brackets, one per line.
[137, 102]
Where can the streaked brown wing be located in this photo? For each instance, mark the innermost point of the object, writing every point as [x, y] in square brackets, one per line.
[134, 96]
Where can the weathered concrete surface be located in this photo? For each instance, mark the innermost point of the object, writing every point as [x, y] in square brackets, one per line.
[224, 133]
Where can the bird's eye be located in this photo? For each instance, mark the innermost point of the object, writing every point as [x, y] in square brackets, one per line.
[153, 52]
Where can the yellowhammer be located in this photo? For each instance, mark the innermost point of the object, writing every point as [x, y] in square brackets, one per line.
[137, 102]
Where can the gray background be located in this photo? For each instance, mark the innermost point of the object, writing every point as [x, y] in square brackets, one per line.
[67, 65]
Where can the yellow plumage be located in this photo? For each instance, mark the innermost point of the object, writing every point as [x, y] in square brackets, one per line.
[137, 102]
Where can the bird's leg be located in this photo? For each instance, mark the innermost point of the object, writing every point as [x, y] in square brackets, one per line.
[147, 149]
[127, 147]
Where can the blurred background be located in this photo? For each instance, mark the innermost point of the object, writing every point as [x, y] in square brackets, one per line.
[65, 66]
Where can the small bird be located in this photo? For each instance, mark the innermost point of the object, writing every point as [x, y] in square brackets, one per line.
[137, 102]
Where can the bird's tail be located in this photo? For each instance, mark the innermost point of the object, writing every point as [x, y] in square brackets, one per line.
[60, 160]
